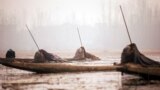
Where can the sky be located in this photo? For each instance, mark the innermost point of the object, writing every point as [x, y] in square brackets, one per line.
[54, 24]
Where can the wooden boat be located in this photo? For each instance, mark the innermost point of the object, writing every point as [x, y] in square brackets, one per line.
[134, 62]
[27, 64]
[147, 72]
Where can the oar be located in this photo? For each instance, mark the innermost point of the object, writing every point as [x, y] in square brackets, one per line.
[32, 37]
[125, 24]
[79, 37]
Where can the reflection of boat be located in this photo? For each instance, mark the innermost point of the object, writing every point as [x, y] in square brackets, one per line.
[26, 64]
[148, 72]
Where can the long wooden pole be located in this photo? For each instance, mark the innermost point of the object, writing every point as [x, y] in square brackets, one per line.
[32, 37]
[125, 24]
[79, 36]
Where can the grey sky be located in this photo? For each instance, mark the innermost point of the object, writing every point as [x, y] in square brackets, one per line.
[54, 22]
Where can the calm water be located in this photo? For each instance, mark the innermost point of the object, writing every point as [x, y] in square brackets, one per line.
[13, 79]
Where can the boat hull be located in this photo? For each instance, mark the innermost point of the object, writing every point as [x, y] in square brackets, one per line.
[147, 72]
[55, 67]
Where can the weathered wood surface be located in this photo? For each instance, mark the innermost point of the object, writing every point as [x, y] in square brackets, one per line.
[25, 64]
[144, 71]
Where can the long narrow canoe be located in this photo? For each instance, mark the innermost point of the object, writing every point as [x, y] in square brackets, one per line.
[148, 72]
[53, 67]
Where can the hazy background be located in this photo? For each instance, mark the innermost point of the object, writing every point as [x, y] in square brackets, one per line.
[54, 24]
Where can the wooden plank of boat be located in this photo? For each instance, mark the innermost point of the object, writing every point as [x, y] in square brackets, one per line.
[144, 71]
[55, 67]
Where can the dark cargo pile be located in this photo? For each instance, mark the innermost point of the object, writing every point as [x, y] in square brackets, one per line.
[131, 54]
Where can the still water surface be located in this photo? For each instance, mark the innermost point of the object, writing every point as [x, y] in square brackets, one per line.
[14, 79]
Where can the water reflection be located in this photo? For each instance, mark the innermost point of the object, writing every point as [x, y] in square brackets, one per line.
[61, 81]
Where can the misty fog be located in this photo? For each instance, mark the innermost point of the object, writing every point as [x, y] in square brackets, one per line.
[54, 23]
